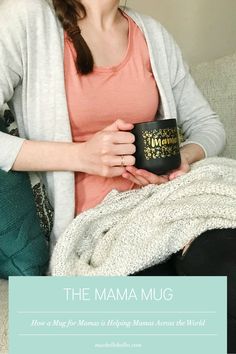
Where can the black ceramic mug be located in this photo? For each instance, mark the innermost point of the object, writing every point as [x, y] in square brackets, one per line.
[157, 146]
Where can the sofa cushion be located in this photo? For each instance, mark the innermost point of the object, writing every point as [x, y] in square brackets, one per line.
[217, 81]
[23, 247]
[43, 206]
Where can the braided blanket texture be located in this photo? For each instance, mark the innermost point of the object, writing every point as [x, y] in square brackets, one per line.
[132, 230]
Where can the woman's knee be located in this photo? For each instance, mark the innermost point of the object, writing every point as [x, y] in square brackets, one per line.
[211, 253]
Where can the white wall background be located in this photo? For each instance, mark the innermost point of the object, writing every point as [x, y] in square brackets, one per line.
[204, 29]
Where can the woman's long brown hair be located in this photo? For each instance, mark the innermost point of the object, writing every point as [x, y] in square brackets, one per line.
[69, 12]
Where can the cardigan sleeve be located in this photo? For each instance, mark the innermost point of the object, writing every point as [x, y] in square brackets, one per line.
[11, 70]
[199, 123]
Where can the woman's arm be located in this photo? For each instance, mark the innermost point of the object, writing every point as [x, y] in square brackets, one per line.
[12, 36]
[199, 123]
[192, 152]
[48, 156]
[100, 155]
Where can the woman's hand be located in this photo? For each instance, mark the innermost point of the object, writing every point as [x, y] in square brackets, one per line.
[190, 153]
[143, 177]
[109, 151]
[182, 169]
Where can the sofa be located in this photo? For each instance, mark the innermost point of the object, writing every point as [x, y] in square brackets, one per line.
[217, 81]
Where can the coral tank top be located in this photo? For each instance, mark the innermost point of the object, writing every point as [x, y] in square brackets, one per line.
[125, 91]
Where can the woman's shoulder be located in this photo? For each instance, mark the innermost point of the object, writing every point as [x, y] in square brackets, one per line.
[153, 28]
[23, 7]
[17, 15]
[142, 19]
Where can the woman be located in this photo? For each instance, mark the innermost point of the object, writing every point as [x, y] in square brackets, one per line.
[142, 73]
[78, 75]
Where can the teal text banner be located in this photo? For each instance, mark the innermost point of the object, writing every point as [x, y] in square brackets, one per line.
[72, 315]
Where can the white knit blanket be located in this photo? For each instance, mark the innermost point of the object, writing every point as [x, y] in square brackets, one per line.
[130, 231]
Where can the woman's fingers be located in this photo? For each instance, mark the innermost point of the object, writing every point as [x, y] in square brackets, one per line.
[123, 149]
[134, 178]
[184, 168]
[122, 137]
[151, 177]
[131, 178]
[146, 177]
[122, 160]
